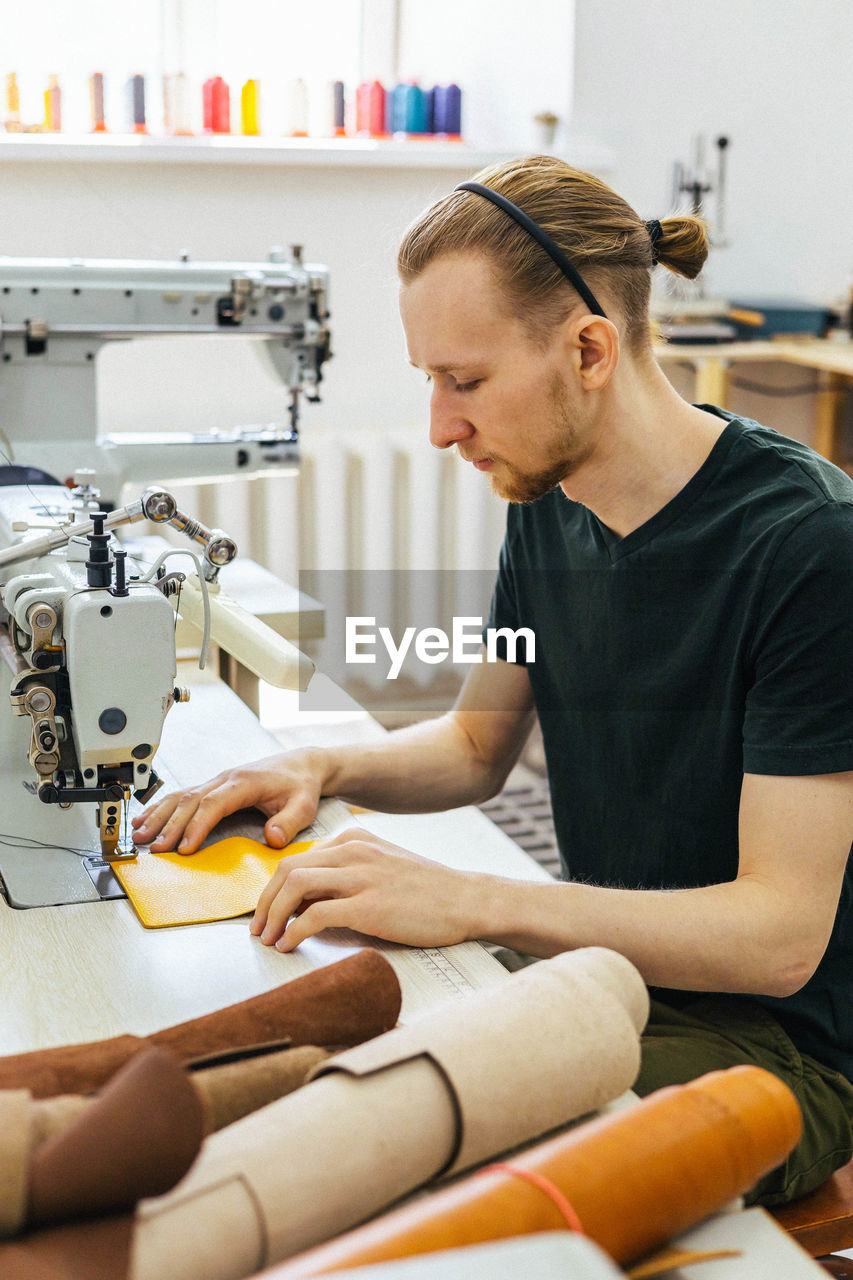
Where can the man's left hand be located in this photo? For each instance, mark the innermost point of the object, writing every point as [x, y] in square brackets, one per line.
[356, 880]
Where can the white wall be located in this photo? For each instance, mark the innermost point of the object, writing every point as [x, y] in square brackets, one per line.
[510, 64]
[350, 219]
[773, 75]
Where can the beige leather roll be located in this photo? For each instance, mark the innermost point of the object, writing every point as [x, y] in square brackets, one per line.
[16, 1125]
[475, 1077]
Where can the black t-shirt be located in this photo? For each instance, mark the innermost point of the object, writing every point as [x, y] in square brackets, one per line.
[715, 640]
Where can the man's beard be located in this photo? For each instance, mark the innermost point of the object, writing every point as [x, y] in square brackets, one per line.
[519, 486]
[529, 486]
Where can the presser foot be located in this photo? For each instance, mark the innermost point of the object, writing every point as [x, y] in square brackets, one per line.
[120, 854]
[111, 823]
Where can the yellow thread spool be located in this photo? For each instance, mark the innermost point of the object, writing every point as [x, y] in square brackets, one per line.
[250, 107]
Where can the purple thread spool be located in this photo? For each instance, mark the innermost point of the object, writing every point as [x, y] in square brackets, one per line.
[447, 110]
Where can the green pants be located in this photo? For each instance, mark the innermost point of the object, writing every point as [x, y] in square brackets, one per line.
[711, 1033]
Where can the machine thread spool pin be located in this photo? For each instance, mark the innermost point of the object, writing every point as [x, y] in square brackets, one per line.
[99, 567]
[120, 588]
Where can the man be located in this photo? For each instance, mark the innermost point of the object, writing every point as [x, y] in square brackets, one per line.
[688, 579]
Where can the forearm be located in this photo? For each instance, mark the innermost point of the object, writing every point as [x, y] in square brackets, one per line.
[459, 758]
[738, 936]
[424, 768]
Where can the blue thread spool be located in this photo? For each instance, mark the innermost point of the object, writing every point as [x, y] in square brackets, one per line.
[408, 109]
[390, 98]
[430, 109]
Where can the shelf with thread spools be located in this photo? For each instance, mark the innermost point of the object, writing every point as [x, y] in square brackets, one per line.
[237, 149]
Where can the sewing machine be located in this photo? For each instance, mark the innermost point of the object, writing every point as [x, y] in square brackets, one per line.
[87, 630]
[57, 314]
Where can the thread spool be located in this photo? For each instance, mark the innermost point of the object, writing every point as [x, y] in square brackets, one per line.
[298, 109]
[53, 105]
[338, 109]
[136, 103]
[216, 106]
[370, 103]
[96, 102]
[13, 104]
[176, 105]
[250, 108]
[447, 111]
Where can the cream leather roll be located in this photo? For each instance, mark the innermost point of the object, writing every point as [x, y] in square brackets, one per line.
[473, 1078]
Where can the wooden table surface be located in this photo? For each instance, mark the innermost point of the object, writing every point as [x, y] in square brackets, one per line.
[81, 972]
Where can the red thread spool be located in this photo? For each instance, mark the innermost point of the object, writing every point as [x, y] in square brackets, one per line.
[216, 104]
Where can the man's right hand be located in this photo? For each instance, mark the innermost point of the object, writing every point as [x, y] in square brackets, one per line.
[286, 788]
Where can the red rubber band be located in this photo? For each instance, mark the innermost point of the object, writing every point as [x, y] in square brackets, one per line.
[551, 1190]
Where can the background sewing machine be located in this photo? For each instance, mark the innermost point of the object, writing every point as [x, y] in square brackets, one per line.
[57, 314]
[88, 631]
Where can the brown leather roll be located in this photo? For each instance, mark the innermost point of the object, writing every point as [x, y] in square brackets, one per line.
[342, 1004]
[74, 1251]
[634, 1178]
[138, 1138]
[73, 1068]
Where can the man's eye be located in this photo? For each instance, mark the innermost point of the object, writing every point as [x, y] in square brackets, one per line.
[468, 386]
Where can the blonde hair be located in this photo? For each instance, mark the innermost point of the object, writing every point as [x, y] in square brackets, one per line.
[600, 233]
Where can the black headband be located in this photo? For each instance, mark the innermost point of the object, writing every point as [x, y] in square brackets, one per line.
[533, 229]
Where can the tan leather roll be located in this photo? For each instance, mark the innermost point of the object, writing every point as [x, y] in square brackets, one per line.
[634, 1178]
[229, 1090]
[236, 1089]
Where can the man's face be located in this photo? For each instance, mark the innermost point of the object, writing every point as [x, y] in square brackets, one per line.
[504, 402]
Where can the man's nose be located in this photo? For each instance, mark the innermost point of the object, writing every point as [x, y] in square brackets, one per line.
[446, 425]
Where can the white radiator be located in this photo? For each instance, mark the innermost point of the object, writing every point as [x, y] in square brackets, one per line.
[369, 500]
[363, 499]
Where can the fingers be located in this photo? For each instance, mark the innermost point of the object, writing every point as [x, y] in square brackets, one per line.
[332, 853]
[358, 881]
[284, 826]
[258, 922]
[183, 820]
[316, 856]
[155, 817]
[333, 913]
[298, 893]
[280, 786]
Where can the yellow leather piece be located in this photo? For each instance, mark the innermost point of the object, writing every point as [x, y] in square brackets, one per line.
[217, 883]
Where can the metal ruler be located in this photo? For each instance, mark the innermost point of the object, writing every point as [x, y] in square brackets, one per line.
[436, 963]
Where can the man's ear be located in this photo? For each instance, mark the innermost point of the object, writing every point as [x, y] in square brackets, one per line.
[594, 348]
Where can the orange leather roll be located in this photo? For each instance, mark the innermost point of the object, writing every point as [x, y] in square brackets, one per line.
[634, 1178]
[341, 1004]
